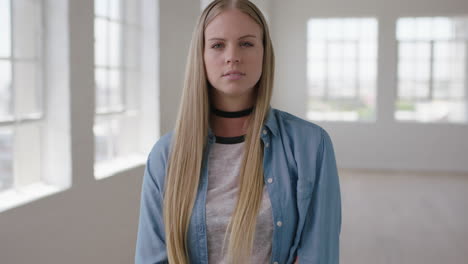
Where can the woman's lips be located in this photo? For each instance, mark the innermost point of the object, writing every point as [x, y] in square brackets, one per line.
[233, 76]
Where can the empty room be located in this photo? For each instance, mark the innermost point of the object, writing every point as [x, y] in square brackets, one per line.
[234, 131]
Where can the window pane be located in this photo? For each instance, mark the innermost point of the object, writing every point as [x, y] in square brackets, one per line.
[349, 50]
[413, 89]
[27, 161]
[6, 158]
[405, 29]
[350, 69]
[406, 50]
[442, 28]
[101, 139]
[317, 29]
[351, 28]
[342, 65]
[437, 43]
[316, 50]
[101, 89]
[368, 29]
[115, 9]
[335, 70]
[442, 89]
[106, 133]
[5, 89]
[115, 42]
[368, 50]
[315, 71]
[316, 89]
[115, 127]
[421, 89]
[26, 28]
[444, 50]
[132, 90]
[100, 42]
[334, 29]
[457, 90]
[335, 50]
[449, 69]
[367, 70]
[421, 70]
[101, 8]
[442, 71]
[118, 80]
[5, 33]
[27, 88]
[115, 89]
[422, 51]
[339, 88]
[423, 28]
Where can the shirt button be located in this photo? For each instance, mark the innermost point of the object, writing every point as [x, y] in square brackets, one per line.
[267, 144]
[264, 132]
[270, 180]
[279, 223]
[276, 262]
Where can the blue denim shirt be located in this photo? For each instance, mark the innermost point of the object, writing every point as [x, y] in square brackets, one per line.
[301, 176]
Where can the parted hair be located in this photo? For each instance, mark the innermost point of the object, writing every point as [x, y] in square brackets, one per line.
[190, 140]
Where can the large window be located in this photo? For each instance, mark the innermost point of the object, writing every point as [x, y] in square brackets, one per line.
[341, 69]
[21, 93]
[117, 32]
[432, 71]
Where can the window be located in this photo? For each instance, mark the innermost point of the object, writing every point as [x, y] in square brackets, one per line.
[432, 53]
[117, 30]
[21, 94]
[341, 69]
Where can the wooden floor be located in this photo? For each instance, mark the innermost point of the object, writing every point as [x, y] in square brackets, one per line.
[404, 217]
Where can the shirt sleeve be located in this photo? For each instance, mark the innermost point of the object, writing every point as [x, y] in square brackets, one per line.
[150, 244]
[320, 239]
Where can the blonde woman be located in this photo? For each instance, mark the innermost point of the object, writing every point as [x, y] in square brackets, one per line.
[238, 181]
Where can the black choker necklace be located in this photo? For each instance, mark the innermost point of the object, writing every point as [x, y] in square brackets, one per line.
[232, 114]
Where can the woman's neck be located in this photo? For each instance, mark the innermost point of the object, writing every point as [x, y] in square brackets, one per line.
[229, 127]
[225, 126]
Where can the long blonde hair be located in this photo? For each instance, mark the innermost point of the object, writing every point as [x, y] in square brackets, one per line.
[190, 140]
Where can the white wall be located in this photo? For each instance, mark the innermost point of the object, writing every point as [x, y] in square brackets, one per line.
[176, 29]
[384, 144]
[94, 221]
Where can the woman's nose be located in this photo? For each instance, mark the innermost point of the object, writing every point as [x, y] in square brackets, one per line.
[232, 55]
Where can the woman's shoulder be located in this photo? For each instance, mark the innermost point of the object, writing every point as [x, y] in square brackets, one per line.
[296, 126]
[160, 150]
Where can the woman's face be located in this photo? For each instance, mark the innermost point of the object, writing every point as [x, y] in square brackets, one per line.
[233, 42]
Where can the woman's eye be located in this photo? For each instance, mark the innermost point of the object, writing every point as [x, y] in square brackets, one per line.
[215, 46]
[220, 45]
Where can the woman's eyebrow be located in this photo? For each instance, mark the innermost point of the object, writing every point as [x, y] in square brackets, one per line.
[246, 36]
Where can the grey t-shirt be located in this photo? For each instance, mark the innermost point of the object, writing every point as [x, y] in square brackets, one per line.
[224, 163]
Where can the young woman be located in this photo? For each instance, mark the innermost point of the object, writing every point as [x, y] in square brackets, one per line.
[238, 181]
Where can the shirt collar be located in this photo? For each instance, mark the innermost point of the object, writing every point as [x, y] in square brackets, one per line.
[271, 121]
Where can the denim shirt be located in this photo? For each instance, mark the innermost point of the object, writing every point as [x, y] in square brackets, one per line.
[301, 176]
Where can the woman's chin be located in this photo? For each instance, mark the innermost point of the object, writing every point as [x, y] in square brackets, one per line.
[236, 92]
[233, 91]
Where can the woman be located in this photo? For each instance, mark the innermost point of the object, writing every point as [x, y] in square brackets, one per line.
[238, 181]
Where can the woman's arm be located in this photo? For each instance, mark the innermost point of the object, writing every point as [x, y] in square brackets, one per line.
[150, 245]
[320, 239]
